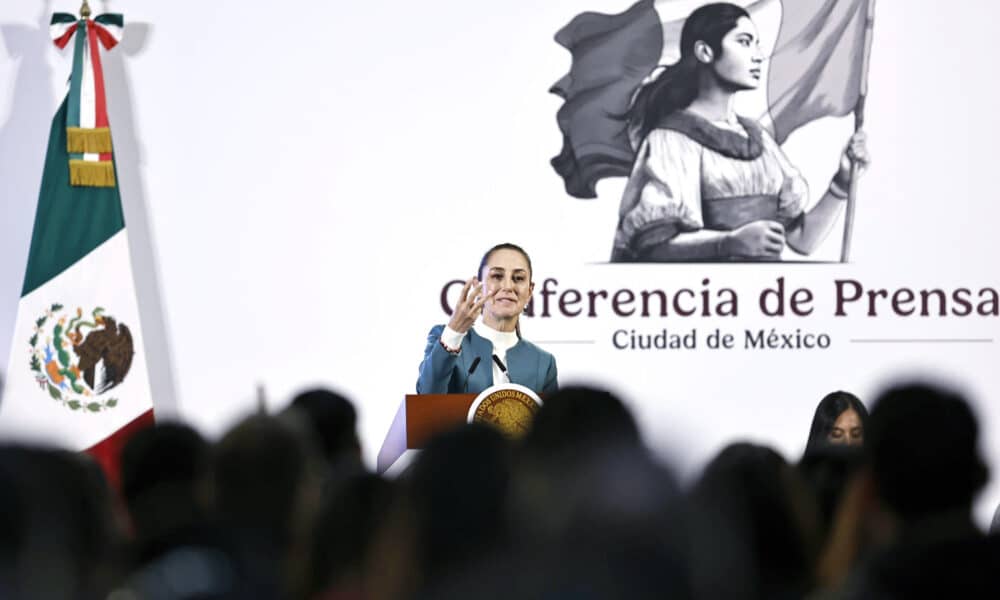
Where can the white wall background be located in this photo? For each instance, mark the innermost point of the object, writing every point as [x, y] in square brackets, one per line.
[300, 179]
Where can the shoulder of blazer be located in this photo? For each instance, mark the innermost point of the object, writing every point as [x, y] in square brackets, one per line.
[530, 348]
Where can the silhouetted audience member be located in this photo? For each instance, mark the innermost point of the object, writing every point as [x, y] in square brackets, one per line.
[13, 517]
[755, 527]
[832, 473]
[282, 507]
[922, 444]
[572, 425]
[69, 537]
[178, 553]
[580, 418]
[165, 475]
[619, 533]
[615, 522]
[267, 491]
[593, 514]
[339, 562]
[591, 508]
[827, 469]
[839, 419]
[333, 420]
[453, 506]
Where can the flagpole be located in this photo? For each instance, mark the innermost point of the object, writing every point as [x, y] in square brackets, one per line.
[859, 121]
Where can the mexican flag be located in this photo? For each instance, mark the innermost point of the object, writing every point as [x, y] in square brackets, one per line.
[816, 53]
[77, 376]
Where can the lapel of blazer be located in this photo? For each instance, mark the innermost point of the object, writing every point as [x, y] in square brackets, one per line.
[521, 365]
[482, 378]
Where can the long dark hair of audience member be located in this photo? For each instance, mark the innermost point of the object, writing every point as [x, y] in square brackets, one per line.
[828, 469]
[340, 561]
[267, 490]
[455, 497]
[333, 420]
[166, 476]
[840, 418]
[577, 419]
[754, 533]
[592, 511]
[575, 427]
[586, 483]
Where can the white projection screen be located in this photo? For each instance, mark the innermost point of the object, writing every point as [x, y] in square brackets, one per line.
[302, 181]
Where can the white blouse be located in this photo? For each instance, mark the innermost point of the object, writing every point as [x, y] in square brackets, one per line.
[502, 342]
[674, 177]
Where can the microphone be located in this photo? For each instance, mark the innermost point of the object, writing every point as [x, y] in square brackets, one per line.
[503, 367]
[472, 368]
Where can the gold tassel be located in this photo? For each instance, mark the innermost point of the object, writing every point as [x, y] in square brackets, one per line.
[88, 141]
[89, 173]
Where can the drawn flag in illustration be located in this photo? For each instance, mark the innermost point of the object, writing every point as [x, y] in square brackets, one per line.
[816, 54]
[77, 376]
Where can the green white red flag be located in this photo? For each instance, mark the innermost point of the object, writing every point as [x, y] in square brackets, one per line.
[77, 376]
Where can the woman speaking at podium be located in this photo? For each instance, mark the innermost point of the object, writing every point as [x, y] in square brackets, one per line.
[469, 355]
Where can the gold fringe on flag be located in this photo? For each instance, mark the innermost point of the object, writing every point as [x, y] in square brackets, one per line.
[90, 173]
[88, 141]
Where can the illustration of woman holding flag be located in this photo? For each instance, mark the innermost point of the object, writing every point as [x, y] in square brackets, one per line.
[706, 184]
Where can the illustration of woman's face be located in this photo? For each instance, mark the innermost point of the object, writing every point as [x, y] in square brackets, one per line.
[739, 66]
[847, 429]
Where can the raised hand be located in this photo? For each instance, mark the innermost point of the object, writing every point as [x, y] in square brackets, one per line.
[470, 305]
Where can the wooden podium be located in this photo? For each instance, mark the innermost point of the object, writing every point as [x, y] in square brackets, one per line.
[419, 418]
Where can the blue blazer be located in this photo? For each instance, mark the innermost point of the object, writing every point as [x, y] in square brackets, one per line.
[442, 372]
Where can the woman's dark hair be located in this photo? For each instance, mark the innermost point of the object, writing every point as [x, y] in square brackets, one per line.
[345, 530]
[827, 469]
[677, 86]
[505, 246]
[456, 492]
[578, 418]
[831, 407]
[753, 529]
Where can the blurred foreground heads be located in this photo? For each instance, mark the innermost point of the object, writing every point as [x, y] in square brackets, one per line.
[341, 563]
[924, 472]
[166, 485]
[268, 478]
[332, 419]
[754, 527]
[449, 514]
[219, 523]
[924, 452]
[58, 534]
[587, 511]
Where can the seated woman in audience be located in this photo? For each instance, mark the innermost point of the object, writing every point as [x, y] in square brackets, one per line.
[840, 419]
[470, 353]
